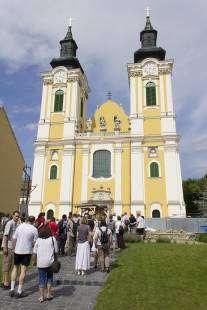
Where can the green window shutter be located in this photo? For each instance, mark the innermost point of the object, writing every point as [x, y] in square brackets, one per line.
[150, 94]
[53, 172]
[58, 106]
[154, 170]
[102, 164]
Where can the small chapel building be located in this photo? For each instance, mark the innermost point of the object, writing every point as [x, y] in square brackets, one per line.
[112, 161]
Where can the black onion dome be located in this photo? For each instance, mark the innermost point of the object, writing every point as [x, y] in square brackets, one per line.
[68, 50]
[148, 38]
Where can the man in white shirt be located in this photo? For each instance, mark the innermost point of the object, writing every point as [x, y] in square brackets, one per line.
[7, 246]
[24, 239]
[140, 225]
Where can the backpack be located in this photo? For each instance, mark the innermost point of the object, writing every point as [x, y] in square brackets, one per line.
[111, 226]
[121, 229]
[75, 227]
[104, 239]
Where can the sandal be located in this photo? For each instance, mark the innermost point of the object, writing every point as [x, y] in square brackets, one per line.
[41, 299]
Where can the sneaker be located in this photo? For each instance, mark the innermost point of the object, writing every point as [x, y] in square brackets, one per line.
[5, 287]
[83, 273]
[21, 295]
[12, 293]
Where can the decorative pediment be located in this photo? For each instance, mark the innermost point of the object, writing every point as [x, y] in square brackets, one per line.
[101, 194]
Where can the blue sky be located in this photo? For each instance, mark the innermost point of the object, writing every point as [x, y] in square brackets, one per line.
[107, 33]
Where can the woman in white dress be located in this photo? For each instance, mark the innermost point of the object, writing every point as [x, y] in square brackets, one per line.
[82, 263]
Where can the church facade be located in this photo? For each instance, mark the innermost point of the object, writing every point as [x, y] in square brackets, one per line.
[119, 162]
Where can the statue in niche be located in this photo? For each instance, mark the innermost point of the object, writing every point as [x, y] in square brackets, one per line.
[117, 123]
[89, 125]
[54, 155]
[152, 152]
[102, 123]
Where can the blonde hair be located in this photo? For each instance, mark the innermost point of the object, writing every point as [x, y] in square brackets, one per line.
[83, 220]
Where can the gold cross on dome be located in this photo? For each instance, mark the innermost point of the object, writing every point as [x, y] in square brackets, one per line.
[70, 21]
[148, 11]
[109, 95]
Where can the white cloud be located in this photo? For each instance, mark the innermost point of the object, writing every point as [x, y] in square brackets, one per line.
[31, 126]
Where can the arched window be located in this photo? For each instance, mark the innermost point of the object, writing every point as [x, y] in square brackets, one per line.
[53, 172]
[58, 105]
[150, 94]
[154, 170]
[102, 164]
[156, 213]
[50, 214]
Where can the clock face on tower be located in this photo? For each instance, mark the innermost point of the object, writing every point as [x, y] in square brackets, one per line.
[150, 68]
[60, 77]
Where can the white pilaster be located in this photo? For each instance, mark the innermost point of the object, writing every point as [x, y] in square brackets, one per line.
[74, 99]
[43, 102]
[170, 109]
[162, 98]
[118, 179]
[49, 103]
[133, 101]
[140, 96]
[137, 177]
[67, 177]
[173, 182]
[37, 181]
[85, 173]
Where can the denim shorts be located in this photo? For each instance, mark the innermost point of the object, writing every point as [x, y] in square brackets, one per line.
[45, 276]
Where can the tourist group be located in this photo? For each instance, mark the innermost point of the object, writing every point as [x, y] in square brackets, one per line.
[40, 241]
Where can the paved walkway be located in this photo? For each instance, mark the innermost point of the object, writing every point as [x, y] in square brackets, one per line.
[70, 290]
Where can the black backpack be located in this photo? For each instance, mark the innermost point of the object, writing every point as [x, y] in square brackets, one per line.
[111, 225]
[75, 227]
[104, 238]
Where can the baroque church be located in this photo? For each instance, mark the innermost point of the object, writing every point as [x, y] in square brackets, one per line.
[111, 162]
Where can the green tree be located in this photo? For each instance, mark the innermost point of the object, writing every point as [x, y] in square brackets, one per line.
[194, 191]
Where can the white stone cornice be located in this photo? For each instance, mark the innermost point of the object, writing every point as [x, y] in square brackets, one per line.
[40, 150]
[85, 150]
[118, 148]
[69, 150]
[134, 70]
[165, 67]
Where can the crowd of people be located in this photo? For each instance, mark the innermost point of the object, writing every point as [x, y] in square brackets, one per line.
[39, 241]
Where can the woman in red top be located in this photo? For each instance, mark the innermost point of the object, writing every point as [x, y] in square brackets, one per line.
[54, 227]
[40, 221]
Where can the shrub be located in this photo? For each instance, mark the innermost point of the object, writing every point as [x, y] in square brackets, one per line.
[202, 237]
[163, 240]
[129, 237]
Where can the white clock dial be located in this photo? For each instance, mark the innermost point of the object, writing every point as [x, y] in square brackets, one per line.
[60, 77]
[150, 69]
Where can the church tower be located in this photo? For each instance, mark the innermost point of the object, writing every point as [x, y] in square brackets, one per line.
[156, 183]
[62, 115]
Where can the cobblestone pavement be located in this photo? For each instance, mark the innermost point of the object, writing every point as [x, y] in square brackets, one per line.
[71, 291]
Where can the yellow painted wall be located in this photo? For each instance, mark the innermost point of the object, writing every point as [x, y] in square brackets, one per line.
[155, 188]
[152, 121]
[56, 126]
[77, 182]
[109, 109]
[52, 187]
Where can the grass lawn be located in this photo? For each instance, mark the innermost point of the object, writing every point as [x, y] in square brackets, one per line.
[157, 276]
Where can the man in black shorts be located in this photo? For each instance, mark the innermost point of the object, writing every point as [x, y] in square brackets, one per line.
[24, 238]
